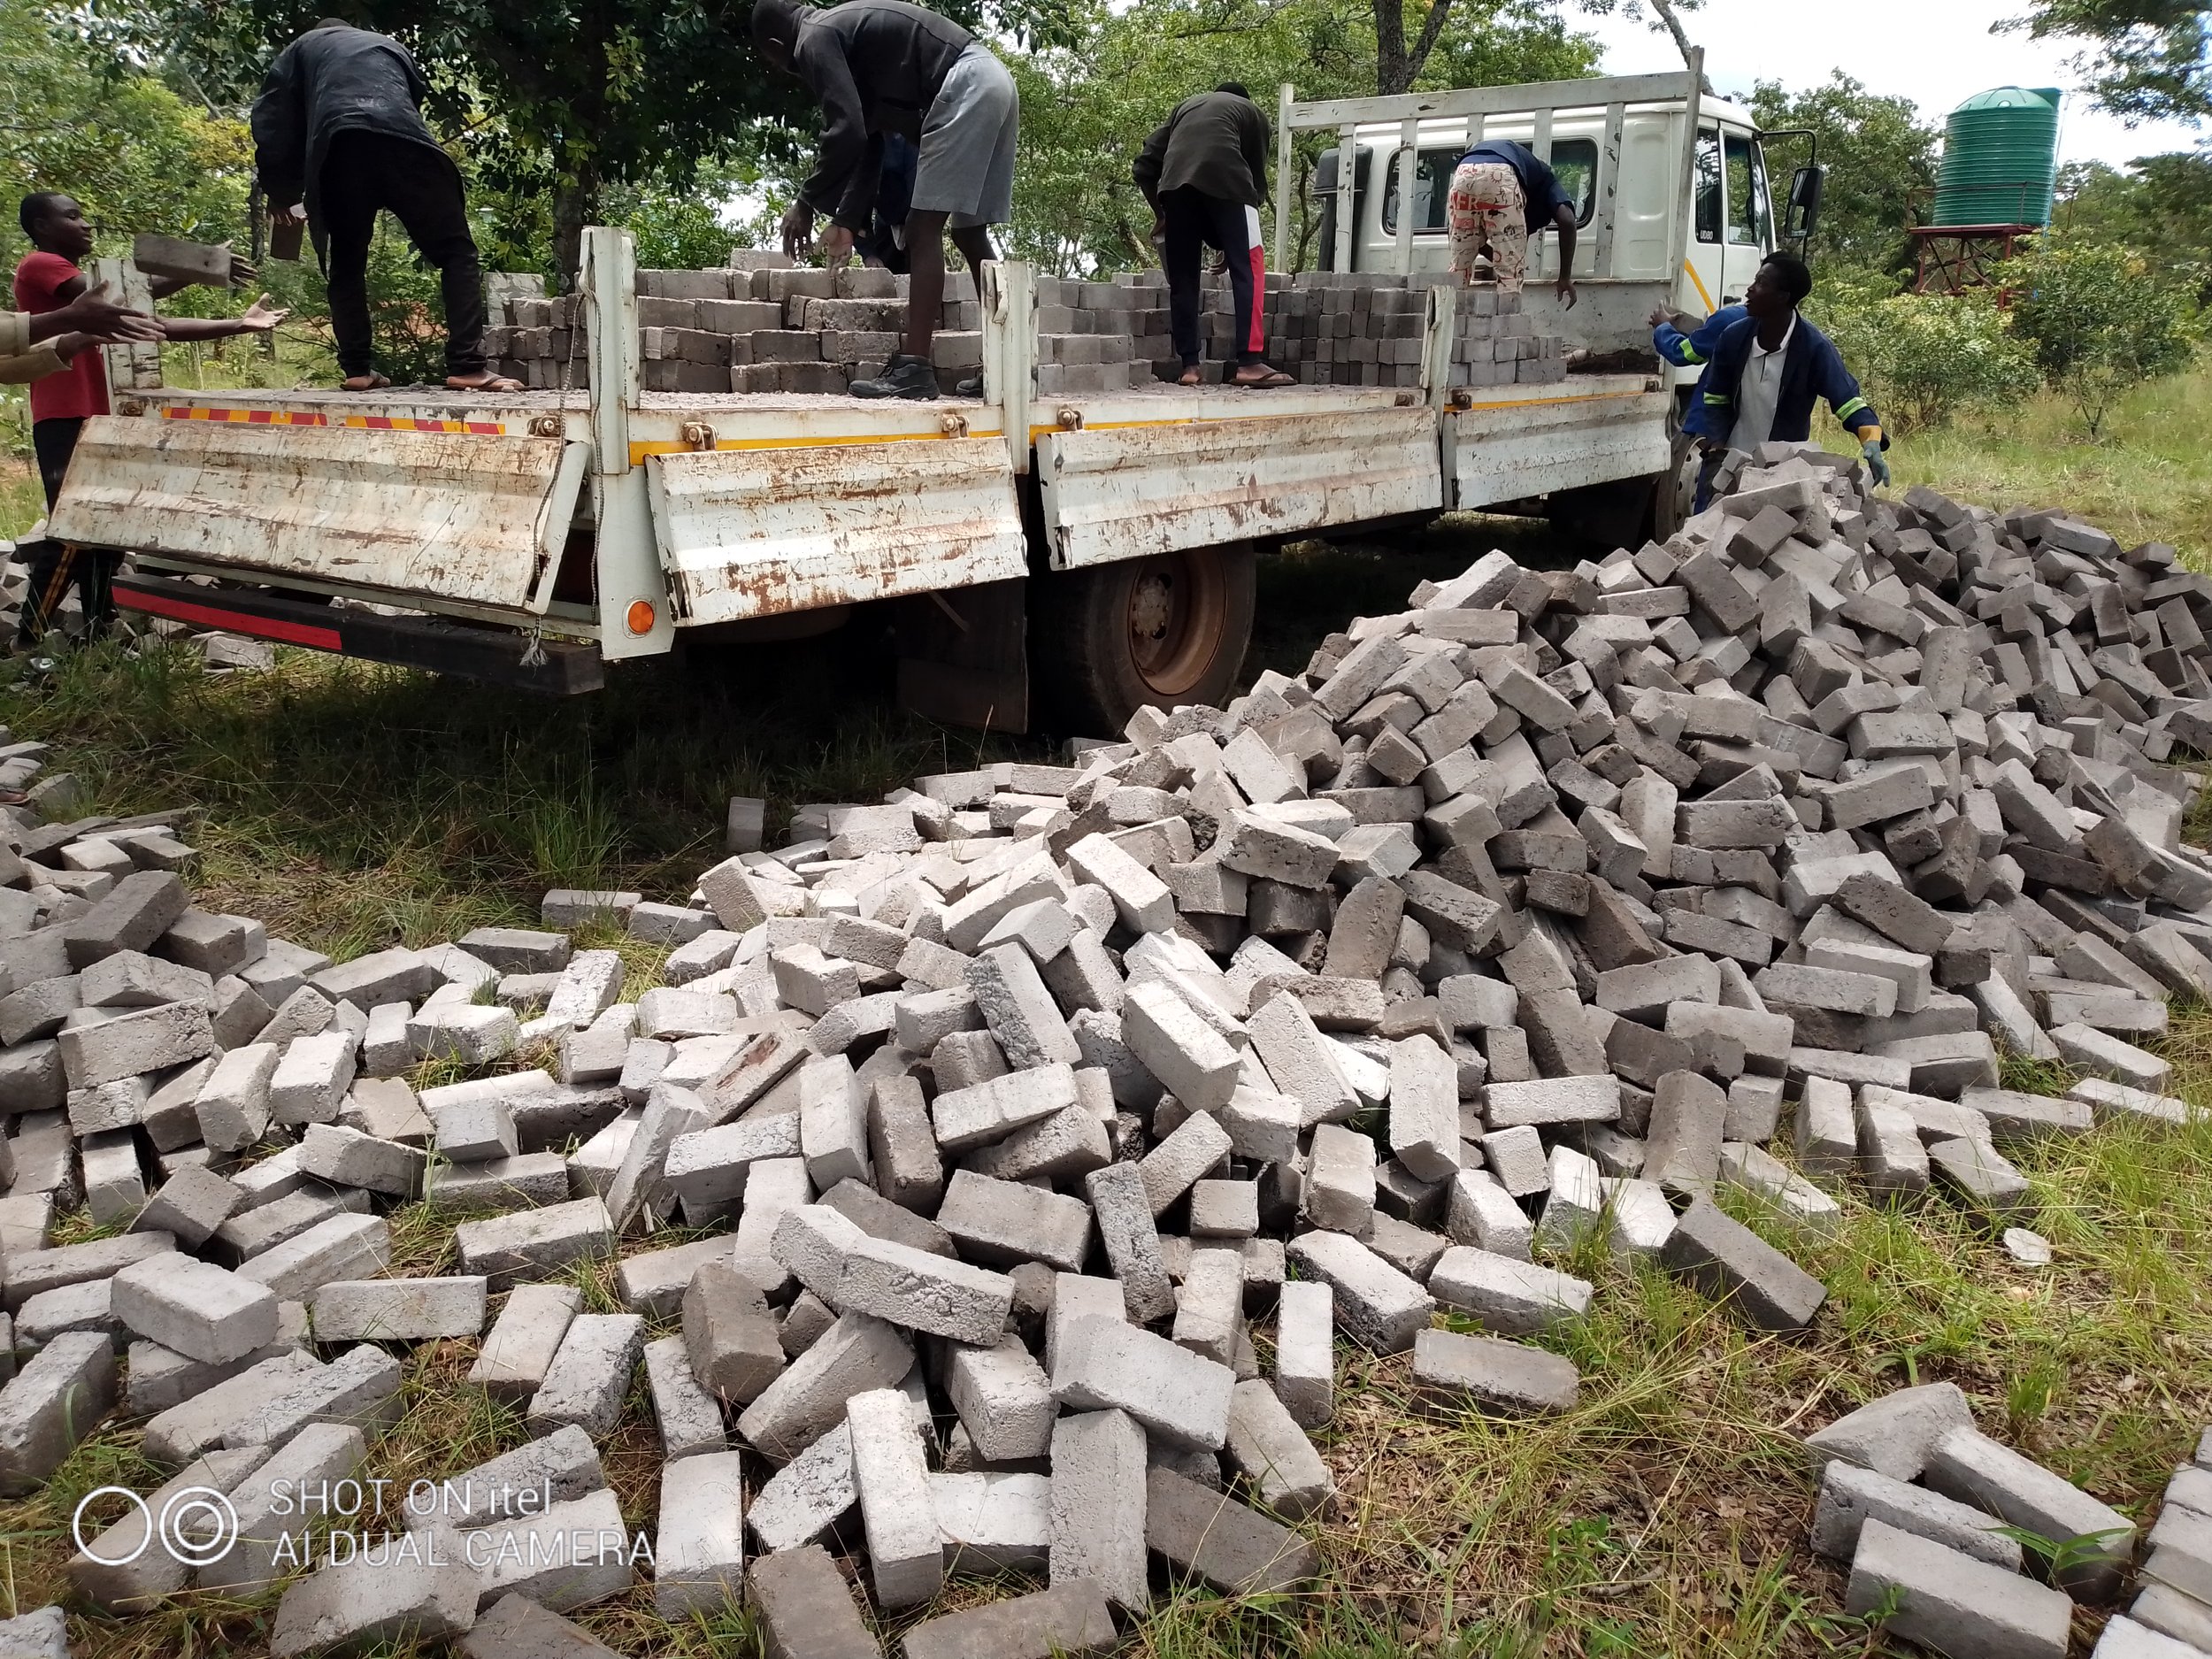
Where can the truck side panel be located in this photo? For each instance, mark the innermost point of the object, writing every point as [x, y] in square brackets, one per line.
[1512, 451]
[760, 531]
[1116, 494]
[477, 517]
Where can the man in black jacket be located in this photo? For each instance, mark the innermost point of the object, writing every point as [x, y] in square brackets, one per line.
[885, 66]
[1205, 172]
[338, 133]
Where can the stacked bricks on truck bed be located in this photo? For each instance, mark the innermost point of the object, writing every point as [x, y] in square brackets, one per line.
[762, 326]
[765, 325]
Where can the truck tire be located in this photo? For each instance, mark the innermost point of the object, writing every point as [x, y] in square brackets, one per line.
[1161, 631]
[1674, 490]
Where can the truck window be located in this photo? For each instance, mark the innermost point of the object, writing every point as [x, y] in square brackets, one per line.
[1431, 187]
[1574, 160]
[1707, 187]
[1750, 216]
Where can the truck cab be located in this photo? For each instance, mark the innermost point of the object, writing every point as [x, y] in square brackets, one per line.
[1658, 223]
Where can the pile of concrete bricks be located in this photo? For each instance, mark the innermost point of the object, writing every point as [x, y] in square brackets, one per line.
[761, 323]
[1354, 329]
[1936, 1524]
[1327, 329]
[1003, 1116]
[2174, 1600]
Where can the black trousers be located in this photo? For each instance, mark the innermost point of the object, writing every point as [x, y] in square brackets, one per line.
[55, 566]
[364, 171]
[1195, 221]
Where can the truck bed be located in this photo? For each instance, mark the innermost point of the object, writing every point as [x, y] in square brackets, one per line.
[761, 504]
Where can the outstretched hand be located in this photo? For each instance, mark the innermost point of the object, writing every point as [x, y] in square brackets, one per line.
[260, 316]
[95, 314]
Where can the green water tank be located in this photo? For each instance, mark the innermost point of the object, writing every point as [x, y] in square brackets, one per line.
[2000, 159]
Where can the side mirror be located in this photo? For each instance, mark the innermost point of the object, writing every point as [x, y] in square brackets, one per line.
[1803, 210]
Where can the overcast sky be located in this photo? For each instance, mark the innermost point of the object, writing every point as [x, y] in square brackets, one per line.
[1936, 52]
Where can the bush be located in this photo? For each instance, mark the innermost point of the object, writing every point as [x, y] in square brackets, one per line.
[1923, 358]
[2099, 319]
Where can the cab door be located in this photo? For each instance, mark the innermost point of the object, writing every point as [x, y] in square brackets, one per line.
[1706, 277]
[1748, 225]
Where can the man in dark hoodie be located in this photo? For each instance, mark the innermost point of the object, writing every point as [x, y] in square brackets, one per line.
[1205, 172]
[879, 66]
[338, 135]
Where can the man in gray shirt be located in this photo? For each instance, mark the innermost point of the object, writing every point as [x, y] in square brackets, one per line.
[1205, 172]
[879, 66]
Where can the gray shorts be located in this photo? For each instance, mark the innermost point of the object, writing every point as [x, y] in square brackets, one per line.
[969, 136]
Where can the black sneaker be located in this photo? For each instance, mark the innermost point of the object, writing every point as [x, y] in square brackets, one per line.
[972, 387]
[903, 377]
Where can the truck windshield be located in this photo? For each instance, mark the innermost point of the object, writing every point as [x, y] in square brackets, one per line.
[1750, 214]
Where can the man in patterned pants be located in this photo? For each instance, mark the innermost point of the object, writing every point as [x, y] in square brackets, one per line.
[1502, 195]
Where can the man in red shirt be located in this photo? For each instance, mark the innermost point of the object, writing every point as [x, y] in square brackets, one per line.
[49, 278]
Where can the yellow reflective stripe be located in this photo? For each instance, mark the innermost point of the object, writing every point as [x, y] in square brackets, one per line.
[1699, 283]
[1851, 409]
[1719, 397]
[1691, 355]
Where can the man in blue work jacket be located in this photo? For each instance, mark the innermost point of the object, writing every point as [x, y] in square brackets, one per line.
[1693, 350]
[1766, 371]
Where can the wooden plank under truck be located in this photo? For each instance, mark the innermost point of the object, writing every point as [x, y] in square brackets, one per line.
[1062, 558]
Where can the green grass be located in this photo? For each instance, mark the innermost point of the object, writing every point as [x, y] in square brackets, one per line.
[353, 805]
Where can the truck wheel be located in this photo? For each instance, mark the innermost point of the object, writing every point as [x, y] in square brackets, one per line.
[1165, 630]
[1674, 490]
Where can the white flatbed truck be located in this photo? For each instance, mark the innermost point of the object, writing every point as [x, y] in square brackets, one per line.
[1101, 544]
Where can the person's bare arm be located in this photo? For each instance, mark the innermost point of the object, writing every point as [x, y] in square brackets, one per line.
[1564, 218]
[93, 314]
[259, 319]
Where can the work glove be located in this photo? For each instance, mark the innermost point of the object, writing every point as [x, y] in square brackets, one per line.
[1876, 464]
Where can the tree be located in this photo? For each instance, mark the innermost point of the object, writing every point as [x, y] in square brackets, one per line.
[2146, 60]
[1665, 18]
[74, 117]
[2100, 321]
[1878, 152]
[2160, 205]
[1086, 108]
[572, 98]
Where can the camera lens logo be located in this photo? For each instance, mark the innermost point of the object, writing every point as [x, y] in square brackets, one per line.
[196, 1526]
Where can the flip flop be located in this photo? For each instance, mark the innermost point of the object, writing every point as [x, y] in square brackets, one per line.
[1191, 377]
[1266, 382]
[489, 383]
[370, 382]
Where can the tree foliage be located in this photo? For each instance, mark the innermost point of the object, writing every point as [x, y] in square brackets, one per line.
[1922, 358]
[552, 98]
[2160, 205]
[75, 117]
[1878, 153]
[2146, 60]
[1087, 106]
[2099, 319]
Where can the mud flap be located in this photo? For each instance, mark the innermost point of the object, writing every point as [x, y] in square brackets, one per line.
[963, 658]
